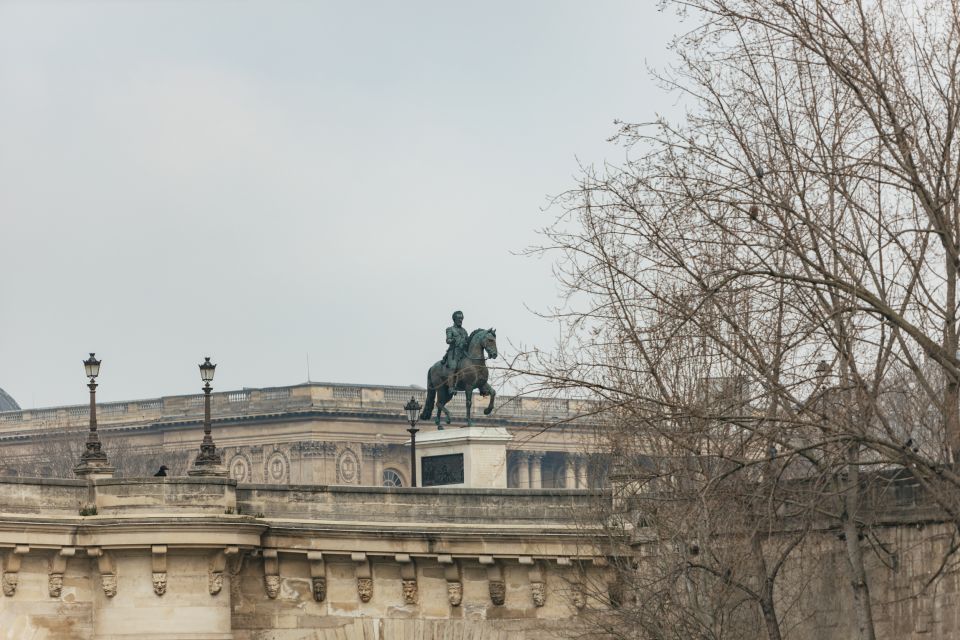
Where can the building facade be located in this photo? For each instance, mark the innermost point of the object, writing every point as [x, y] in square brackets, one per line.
[315, 433]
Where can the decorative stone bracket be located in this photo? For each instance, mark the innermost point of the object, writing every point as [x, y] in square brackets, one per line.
[158, 553]
[108, 572]
[538, 588]
[318, 575]
[364, 576]
[11, 568]
[218, 564]
[451, 571]
[408, 576]
[495, 583]
[58, 567]
[271, 573]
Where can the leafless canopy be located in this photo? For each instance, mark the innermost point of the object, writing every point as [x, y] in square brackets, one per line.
[765, 294]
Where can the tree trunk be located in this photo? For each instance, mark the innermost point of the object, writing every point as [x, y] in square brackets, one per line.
[765, 590]
[858, 574]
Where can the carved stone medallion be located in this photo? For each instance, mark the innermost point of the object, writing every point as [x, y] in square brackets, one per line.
[539, 592]
[109, 583]
[272, 585]
[159, 582]
[410, 591]
[319, 588]
[498, 592]
[276, 468]
[215, 582]
[10, 581]
[348, 467]
[365, 588]
[240, 468]
[455, 593]
[55, 584]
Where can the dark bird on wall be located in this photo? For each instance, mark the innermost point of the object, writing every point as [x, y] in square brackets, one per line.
[162, 473]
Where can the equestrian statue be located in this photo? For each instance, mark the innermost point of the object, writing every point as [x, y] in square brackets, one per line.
[463, 368]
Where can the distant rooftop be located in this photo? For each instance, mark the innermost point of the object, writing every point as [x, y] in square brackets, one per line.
[7, 403]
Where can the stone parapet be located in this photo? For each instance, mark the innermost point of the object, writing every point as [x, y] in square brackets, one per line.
[202, 558]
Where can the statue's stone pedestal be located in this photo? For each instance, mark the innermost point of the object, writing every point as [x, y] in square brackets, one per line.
[472, 457]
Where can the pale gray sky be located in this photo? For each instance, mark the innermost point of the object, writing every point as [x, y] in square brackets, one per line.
[257, 180]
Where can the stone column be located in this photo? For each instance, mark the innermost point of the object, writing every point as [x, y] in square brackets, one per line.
[523, 470]
[582, 472]
[570, 473]
[536, 470]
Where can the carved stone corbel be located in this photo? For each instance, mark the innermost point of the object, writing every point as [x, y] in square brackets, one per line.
[58, 566]
[108, 572]
[495, 584]
[158, 553]
[408, 576]
[271, 573]
[538, 587]
[364, 576]
[11, 569]
[451, 571]
[218, 564]
[318, 575]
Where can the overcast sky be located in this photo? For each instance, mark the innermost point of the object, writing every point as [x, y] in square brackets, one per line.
[255, 181]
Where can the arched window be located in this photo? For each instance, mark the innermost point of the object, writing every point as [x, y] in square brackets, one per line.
[392, 478]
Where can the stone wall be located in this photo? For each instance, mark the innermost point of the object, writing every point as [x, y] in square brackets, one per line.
[176, 558]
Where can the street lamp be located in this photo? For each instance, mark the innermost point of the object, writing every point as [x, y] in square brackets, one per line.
[208, 461]
[93, 461]
[412, 409]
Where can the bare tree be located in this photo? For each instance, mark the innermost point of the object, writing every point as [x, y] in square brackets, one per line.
[763, 295]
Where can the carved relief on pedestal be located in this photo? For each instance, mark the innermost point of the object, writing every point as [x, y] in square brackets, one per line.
[55, 584]
[109, 583]
[365, 589]
[498, 592]
[410, 591]
[272, 585]
[319, 588]
[539, 592]
[10, 581]
[455, 593]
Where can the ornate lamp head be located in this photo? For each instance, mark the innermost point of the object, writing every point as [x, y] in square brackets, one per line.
[412, 409]
[92, 366]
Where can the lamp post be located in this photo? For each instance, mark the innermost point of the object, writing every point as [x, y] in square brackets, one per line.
[412, 409]
[208, 461]
[93, 461]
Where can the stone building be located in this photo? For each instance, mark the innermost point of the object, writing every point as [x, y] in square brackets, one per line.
[314, 433]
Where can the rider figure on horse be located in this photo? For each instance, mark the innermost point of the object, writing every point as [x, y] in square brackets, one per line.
[456, 347]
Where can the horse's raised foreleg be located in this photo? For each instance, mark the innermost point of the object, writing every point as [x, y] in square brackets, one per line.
[469, 392]
[488, 390]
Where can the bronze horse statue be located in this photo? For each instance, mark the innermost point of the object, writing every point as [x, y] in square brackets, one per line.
[471, 373]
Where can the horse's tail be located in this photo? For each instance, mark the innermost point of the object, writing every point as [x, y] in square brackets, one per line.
[431, 398]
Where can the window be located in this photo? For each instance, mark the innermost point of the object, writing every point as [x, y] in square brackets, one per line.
[392, 478]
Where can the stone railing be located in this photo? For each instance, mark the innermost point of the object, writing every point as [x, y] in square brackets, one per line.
[346, 398]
